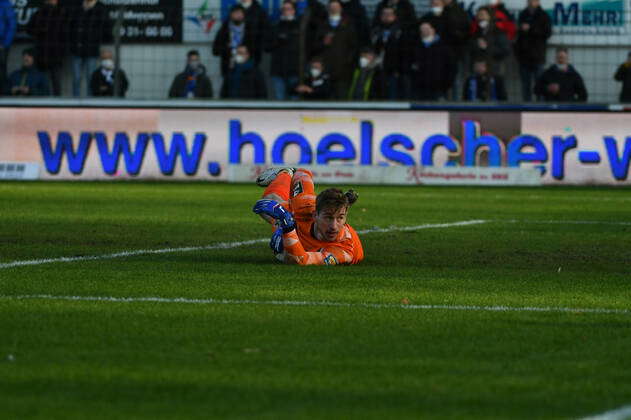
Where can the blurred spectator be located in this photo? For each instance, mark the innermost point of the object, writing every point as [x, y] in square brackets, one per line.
[193, 81]
[257, 20]
[368, 81]
[432, 66]
[532, 39]
[437, 18]
[233, 32]
[387, 39]
[561, 82]
[488, 42]
[503, 19]
[623, 74]
[482, 86]
[456, 38]
[28, 81]
[245, 80]
[313, 16]
[357, 12]
[48, 28]
[104, 78]
[404, 9]
[337, 43]
[8, 25]
[285, 49]
[317, 85]
[90, 27]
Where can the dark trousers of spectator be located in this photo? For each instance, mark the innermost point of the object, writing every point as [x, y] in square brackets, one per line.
[282, 87]
[529, 76]
[54, 74]
[4, 56]
[393, 87]
[82, 66]
[462, 70]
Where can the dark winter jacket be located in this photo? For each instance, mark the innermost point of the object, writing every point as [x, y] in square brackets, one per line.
[8, 23]
[357, 14]
[367, 84]
[256, 18]
[103, 85]
[245, 81]
[34, 79]
[571, 86]
[49, 29]
[321, 88]
[203, 87]
[457, 33]
[432, 70]
[484, 88]
[311, 20]
[623, 74]
[388, 42]
[340, 55]
[497, 50]
[222, 44]
[439, 22]
[89, 29]
[530, 47]
[406, 15]
[285, 48]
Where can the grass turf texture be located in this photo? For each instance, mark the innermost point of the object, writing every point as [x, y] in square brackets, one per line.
[169, 360]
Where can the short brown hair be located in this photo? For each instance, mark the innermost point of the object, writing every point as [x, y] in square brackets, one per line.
[333, 198]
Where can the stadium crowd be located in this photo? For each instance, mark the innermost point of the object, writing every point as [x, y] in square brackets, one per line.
[332, 51]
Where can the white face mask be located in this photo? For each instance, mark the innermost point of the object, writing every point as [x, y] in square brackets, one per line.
[107, 64]
[287, 18]
[363, 62]
[494, 2]
[239, 59]
[562, 67]
[246, 4]
[483, 24]
[315, 73]
[437, 10]
[335, 19]
[428, 39]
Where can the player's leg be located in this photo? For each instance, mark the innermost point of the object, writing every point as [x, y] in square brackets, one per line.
[302, 201]
[278, 190]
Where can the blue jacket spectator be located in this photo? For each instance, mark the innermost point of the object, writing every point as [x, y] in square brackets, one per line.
[8, 26]
[28, 81]
[245, 80]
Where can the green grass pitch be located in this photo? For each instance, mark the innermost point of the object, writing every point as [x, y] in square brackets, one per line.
[103, 359]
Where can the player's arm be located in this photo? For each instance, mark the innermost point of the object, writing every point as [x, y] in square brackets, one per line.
[294, 251]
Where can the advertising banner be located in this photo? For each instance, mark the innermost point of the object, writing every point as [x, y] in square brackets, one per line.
[202, 144]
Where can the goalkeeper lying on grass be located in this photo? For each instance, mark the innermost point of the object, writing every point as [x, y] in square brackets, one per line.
[318, 235]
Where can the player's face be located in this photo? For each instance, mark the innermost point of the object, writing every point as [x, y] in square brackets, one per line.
[330, 222]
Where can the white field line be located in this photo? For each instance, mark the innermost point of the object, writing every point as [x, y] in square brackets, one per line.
[221, 245]
[324, 303]
[621, 413]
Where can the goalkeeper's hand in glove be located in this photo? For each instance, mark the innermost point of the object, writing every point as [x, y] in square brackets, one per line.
[274, 210]
[276, 243]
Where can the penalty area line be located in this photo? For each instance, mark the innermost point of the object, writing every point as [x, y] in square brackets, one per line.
[221, 245]
[323, 303]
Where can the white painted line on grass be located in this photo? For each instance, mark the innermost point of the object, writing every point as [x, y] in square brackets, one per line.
[222, 245]
[621, 413]
[211, 301]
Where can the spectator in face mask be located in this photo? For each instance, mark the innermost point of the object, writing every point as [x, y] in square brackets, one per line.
[488, 43]
[317, 85]
[437, 18]
[285, 49]
[482, 86]
[388, 41]
[245, 80]
[404, 9]
[28, 81]
[337, 44]
[561, 82]
[233, 32]
[104, 78]
[431, 66]
[193, 81]
[368, 82]
[257, 20]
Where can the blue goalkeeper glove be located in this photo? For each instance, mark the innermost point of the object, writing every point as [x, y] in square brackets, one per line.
[276, 243]
[274, 210]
